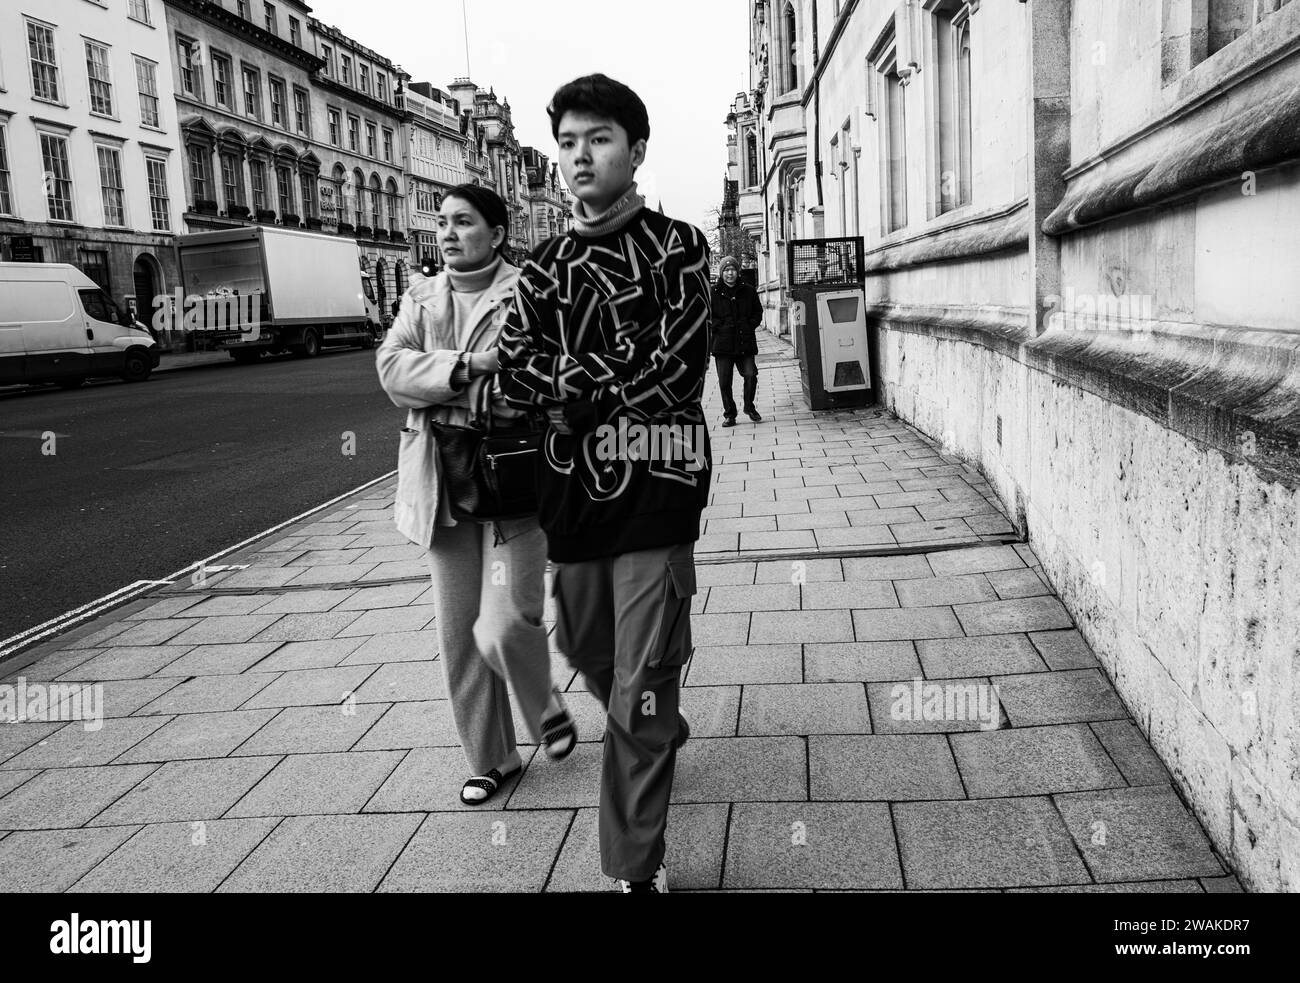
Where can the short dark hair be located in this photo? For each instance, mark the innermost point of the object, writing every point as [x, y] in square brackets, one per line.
[489, 204]
[601, 95]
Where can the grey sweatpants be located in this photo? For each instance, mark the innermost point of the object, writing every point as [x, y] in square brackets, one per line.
[624, 622]
[488, 604]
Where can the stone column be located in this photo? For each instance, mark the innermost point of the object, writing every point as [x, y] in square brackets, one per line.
[295, 184]
[214, 157]
[245, 164]
[1049, 146]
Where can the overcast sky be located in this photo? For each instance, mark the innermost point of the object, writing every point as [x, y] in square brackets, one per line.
[685, 58]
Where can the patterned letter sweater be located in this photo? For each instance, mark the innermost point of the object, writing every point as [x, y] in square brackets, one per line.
[617, 323]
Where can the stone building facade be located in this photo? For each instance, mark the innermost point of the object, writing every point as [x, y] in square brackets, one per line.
[1081, 227]
[774, 115]
[507, 177]
[360, 95]
[741, 229]
[437, 158]
[285, 120]
[478, 162]
[90, 169]
[549, 204]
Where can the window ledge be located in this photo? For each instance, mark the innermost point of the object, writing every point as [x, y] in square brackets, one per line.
[1265, 43]
[1269, 43]
[1229, 388]
[952, 236]
[52, 124]
[1265, 135]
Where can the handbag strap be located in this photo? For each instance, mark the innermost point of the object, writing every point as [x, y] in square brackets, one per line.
[481, 404]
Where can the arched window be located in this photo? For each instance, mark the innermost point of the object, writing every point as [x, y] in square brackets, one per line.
[339, 178]
[751, 160]
[964, 135]
[381, 283]
[308, 182]
[376, 193]
[391, 195]
[792, 46]
[358, 198]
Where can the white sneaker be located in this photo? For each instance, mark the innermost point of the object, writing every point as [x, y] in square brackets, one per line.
[656, 885]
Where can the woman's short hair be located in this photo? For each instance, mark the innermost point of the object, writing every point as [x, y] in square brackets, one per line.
[600, 95]
[487, 203]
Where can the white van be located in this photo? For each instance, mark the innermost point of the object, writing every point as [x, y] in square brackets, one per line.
[57, 325]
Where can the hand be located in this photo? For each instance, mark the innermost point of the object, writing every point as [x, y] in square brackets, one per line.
[555, 415]
[483, 363]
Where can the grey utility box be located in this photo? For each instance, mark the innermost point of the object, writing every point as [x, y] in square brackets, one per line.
[828, 321]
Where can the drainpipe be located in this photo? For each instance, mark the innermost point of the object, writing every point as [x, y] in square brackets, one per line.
[819, 210]
[817, 138]
[817, 110]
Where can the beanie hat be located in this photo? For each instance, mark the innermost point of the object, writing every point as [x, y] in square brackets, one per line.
[728, 261]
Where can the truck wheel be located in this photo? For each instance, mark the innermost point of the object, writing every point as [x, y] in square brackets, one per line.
[368, 339]
[136, 367]
[246, 356]
[310, 346]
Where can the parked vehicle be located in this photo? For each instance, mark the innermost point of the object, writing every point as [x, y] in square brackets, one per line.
[266, 289]
[57, 325]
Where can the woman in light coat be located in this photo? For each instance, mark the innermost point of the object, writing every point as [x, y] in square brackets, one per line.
[488, 590]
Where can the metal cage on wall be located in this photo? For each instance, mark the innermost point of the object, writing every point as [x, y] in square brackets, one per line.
[825, 262]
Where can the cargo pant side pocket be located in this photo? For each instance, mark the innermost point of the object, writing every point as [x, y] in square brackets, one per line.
[673, 646]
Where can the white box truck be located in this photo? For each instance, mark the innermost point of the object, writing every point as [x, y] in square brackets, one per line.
[57, 325]
[264, 289]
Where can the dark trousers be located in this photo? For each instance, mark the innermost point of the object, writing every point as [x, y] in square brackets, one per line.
[624, 622]
[748, 371]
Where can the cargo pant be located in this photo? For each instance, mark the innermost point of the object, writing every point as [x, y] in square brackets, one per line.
[624, 622]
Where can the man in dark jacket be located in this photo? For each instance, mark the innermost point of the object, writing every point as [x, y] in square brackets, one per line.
[609, 335]
[737, 312]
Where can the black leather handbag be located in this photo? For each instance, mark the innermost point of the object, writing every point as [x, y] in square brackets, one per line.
[489, 473]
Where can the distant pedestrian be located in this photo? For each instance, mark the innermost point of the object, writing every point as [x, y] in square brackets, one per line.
[610, 334]
[737, 313]
[487, 595]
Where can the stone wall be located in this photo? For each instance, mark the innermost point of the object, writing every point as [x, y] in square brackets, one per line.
[1181, 566]
[1146, 437]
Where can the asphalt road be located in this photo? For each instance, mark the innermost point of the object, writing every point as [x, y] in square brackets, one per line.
[147, 478]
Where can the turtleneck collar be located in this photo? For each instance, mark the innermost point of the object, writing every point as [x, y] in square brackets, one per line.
[611, 219]
[475, 281]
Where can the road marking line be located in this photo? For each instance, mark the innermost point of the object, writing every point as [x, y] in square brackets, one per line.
[63, 622]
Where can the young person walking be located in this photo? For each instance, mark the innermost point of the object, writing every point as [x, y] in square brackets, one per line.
[488, 589]
[737, 313]
[610, 330]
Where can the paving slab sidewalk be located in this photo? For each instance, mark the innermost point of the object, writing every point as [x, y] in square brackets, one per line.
[885, 695]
